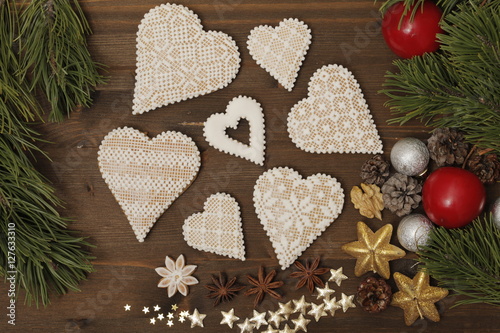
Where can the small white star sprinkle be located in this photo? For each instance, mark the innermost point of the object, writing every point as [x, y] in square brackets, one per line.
[145, 310]
[156, 308]
[228, 318]
[184, 313]
[301, 305]
[127, 307]
[182, 319]
[170, 315]
[170, 323]
[246, 326]
[152, 321]
[174, 307]
[197, 318]
[259, 319]
[331, 305]
[346, 302]
[337, 276]
[301, 323]
[285, 309]
[275, 318]
[325, 292]
[287, 329]
[317, 311]
[161, 316]
[270, 329]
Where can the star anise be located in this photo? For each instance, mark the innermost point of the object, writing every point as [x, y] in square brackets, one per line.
[263, 285]
[308, 275]
[223, 290]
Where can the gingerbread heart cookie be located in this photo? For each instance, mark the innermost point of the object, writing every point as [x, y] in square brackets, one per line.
[147, 175]
[178, 60]
[334, 118]
[294, 211]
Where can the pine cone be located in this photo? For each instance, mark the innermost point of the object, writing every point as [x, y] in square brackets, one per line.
[485, 166]
[374, 295]
[447, 147]
[375, 170]
[401, 194]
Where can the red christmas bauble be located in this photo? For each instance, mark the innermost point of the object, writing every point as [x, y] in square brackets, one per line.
[414, 37]
[453, 197]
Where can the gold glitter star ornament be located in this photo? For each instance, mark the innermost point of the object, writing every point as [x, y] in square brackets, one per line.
[373, 251]
[416, 297]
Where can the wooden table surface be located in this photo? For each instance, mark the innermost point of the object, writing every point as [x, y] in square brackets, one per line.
[344, 32]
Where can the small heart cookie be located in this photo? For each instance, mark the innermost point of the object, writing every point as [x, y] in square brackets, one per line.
[294, 211]
[218, 228]
[217, 124]
[178, 60]
[280, 50]
[147, 175]
[334, 118]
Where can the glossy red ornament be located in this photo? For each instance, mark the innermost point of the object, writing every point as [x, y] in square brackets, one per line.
[453, 197]
[414, 37]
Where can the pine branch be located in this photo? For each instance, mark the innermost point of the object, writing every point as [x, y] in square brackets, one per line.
[49, 257]
[466, 260]
[55, 53]
[459, 86]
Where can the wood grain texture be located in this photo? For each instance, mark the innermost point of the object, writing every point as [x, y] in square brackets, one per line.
[344, 32]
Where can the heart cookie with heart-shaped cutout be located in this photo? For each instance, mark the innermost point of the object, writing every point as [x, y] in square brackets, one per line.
[178, 60]
[218, 228]
[334, 118]
[294, 211]
[147, 175]
[280, 50]
[240, 107]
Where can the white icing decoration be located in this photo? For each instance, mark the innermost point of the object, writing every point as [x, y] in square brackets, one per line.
[217, 124]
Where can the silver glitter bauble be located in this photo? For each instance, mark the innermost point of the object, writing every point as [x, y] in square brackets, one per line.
[410, 156]
[495, 212]
[413, 231]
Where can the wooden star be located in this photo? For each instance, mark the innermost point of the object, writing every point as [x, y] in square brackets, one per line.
[325, 292]
[301, 323]
[301, 305]
[337, 276]
[346, 302]
[331, 305]
[275, 318]
[317, 311]
[246, 326]
[285, 309]
[258, 319]
[416, 297]
[197, 318]
[373, 251]
[228, 318]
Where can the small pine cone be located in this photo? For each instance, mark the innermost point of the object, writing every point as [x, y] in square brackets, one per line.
[447, 147]
[401, 194]
[374, 295]
[375, 170]
[485, 166]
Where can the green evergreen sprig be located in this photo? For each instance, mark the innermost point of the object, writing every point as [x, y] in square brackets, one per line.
[466, 260]
[53, 36]
[458, 86]
[48, 256]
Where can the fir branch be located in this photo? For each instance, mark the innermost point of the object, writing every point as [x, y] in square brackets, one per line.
[49, 257]
[55, 53]
[459, 86]
[466, 260]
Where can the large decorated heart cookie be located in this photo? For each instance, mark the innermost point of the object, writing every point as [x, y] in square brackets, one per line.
[240, 107]
[295, 211]
[178, 60]
[218, 228]
[147, 175]
[334, 118]
[280, 50]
